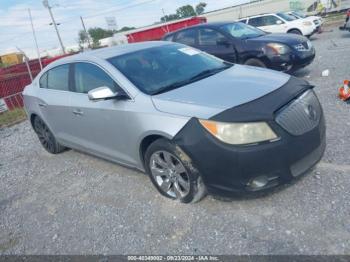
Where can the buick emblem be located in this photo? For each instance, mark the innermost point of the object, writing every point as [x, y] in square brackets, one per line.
[311, 112]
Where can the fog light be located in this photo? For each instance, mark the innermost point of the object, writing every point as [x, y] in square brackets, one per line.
[258, 182]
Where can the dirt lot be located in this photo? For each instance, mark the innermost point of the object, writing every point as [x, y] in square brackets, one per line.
[77, 204]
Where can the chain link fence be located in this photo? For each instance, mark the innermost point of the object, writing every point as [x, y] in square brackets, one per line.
[11, 110]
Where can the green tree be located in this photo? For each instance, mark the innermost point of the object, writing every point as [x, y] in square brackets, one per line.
[126, 28]
[168, 18]
[185, 11]
[98, 33]
[83, 38]
[200, 8]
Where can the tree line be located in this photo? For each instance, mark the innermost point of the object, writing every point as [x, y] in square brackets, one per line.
[96, 33]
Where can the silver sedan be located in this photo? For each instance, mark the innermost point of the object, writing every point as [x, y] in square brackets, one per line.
[193, 122]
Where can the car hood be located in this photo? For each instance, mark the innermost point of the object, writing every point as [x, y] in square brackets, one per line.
[289, 39]
[227, 89]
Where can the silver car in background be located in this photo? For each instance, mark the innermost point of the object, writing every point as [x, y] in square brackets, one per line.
[193, 122]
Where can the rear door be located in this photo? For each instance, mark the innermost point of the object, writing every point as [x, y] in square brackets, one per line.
[217, 44]
[54, 97]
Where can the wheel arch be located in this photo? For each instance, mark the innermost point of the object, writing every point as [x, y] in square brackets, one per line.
[295, 29]
[32, 117]
[147, 140]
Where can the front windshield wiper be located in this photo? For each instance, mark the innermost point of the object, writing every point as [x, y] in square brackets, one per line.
[197, 77]
[207, 73]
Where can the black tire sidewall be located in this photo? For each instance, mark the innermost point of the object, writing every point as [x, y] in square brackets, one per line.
[57, 148]
[295, 32]
[166, 145]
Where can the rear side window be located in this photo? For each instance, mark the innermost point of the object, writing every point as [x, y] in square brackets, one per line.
[244, 21]
[88, 76]
[209, 36]
[187, 37]
[57, 78]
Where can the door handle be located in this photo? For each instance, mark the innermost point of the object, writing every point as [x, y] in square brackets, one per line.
[78, 112]
[42, 104]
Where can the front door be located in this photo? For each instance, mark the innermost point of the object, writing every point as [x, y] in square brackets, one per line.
[268, 23]
[101, 127]
[215, 43]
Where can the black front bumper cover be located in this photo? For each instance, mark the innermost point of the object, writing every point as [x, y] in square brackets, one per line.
[227, 169]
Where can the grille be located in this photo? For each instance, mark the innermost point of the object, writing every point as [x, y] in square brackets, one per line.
[301, 115]
[306, 46]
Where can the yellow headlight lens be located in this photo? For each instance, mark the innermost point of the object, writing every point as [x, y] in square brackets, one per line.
[240, 133]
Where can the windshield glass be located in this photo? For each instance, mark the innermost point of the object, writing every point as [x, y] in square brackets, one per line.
[160, 69]
[286, 17]
[242, 31]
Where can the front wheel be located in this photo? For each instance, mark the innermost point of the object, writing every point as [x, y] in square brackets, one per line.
[295, 31]
[172, 172]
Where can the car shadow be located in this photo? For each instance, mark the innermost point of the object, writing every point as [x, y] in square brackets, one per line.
[345, 35]
[301, 72]
[265, 194]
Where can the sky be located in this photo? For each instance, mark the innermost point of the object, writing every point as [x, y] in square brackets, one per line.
[15, 28]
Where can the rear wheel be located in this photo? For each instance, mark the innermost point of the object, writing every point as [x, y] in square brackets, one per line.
[46, 137]
[255, 62]
[172, 173]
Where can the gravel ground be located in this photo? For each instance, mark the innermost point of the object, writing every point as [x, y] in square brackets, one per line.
[73, 203]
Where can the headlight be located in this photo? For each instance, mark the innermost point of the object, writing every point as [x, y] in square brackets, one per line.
[240, 133]
[307, 23]
[277, 49]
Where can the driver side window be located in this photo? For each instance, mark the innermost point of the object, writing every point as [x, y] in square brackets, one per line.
[88, 76]
[271, 20]
[209, 36]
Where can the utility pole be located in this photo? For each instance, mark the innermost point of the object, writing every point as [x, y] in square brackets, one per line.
[35, 40]
[167, 26]
[47, 5]
[86, 32]
[26, 59]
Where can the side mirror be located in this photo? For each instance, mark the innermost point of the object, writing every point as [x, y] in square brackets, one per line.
[279, 22]
[223, 41]
[101, 93]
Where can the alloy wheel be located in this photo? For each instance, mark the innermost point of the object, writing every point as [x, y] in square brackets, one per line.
[170, 174]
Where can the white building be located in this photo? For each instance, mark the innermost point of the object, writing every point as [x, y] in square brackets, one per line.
[271, 6]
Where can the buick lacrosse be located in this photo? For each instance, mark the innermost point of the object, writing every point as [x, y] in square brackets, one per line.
[193, 122]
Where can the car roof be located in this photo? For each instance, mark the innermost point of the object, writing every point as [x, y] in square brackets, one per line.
[253, 16]
[212, 24]
[108, 52]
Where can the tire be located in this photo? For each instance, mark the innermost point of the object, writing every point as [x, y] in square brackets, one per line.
[172, 172]
[46, 138]
[255, 62]
[295, 31]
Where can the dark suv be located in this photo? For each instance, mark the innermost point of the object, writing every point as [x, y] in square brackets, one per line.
[240, 43]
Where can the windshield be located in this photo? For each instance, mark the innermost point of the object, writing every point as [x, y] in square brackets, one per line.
[242, 31]
[286, 17]
[160, 69]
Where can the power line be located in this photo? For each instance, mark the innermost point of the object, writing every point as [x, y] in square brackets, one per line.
[69, 19]
[87, 17]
